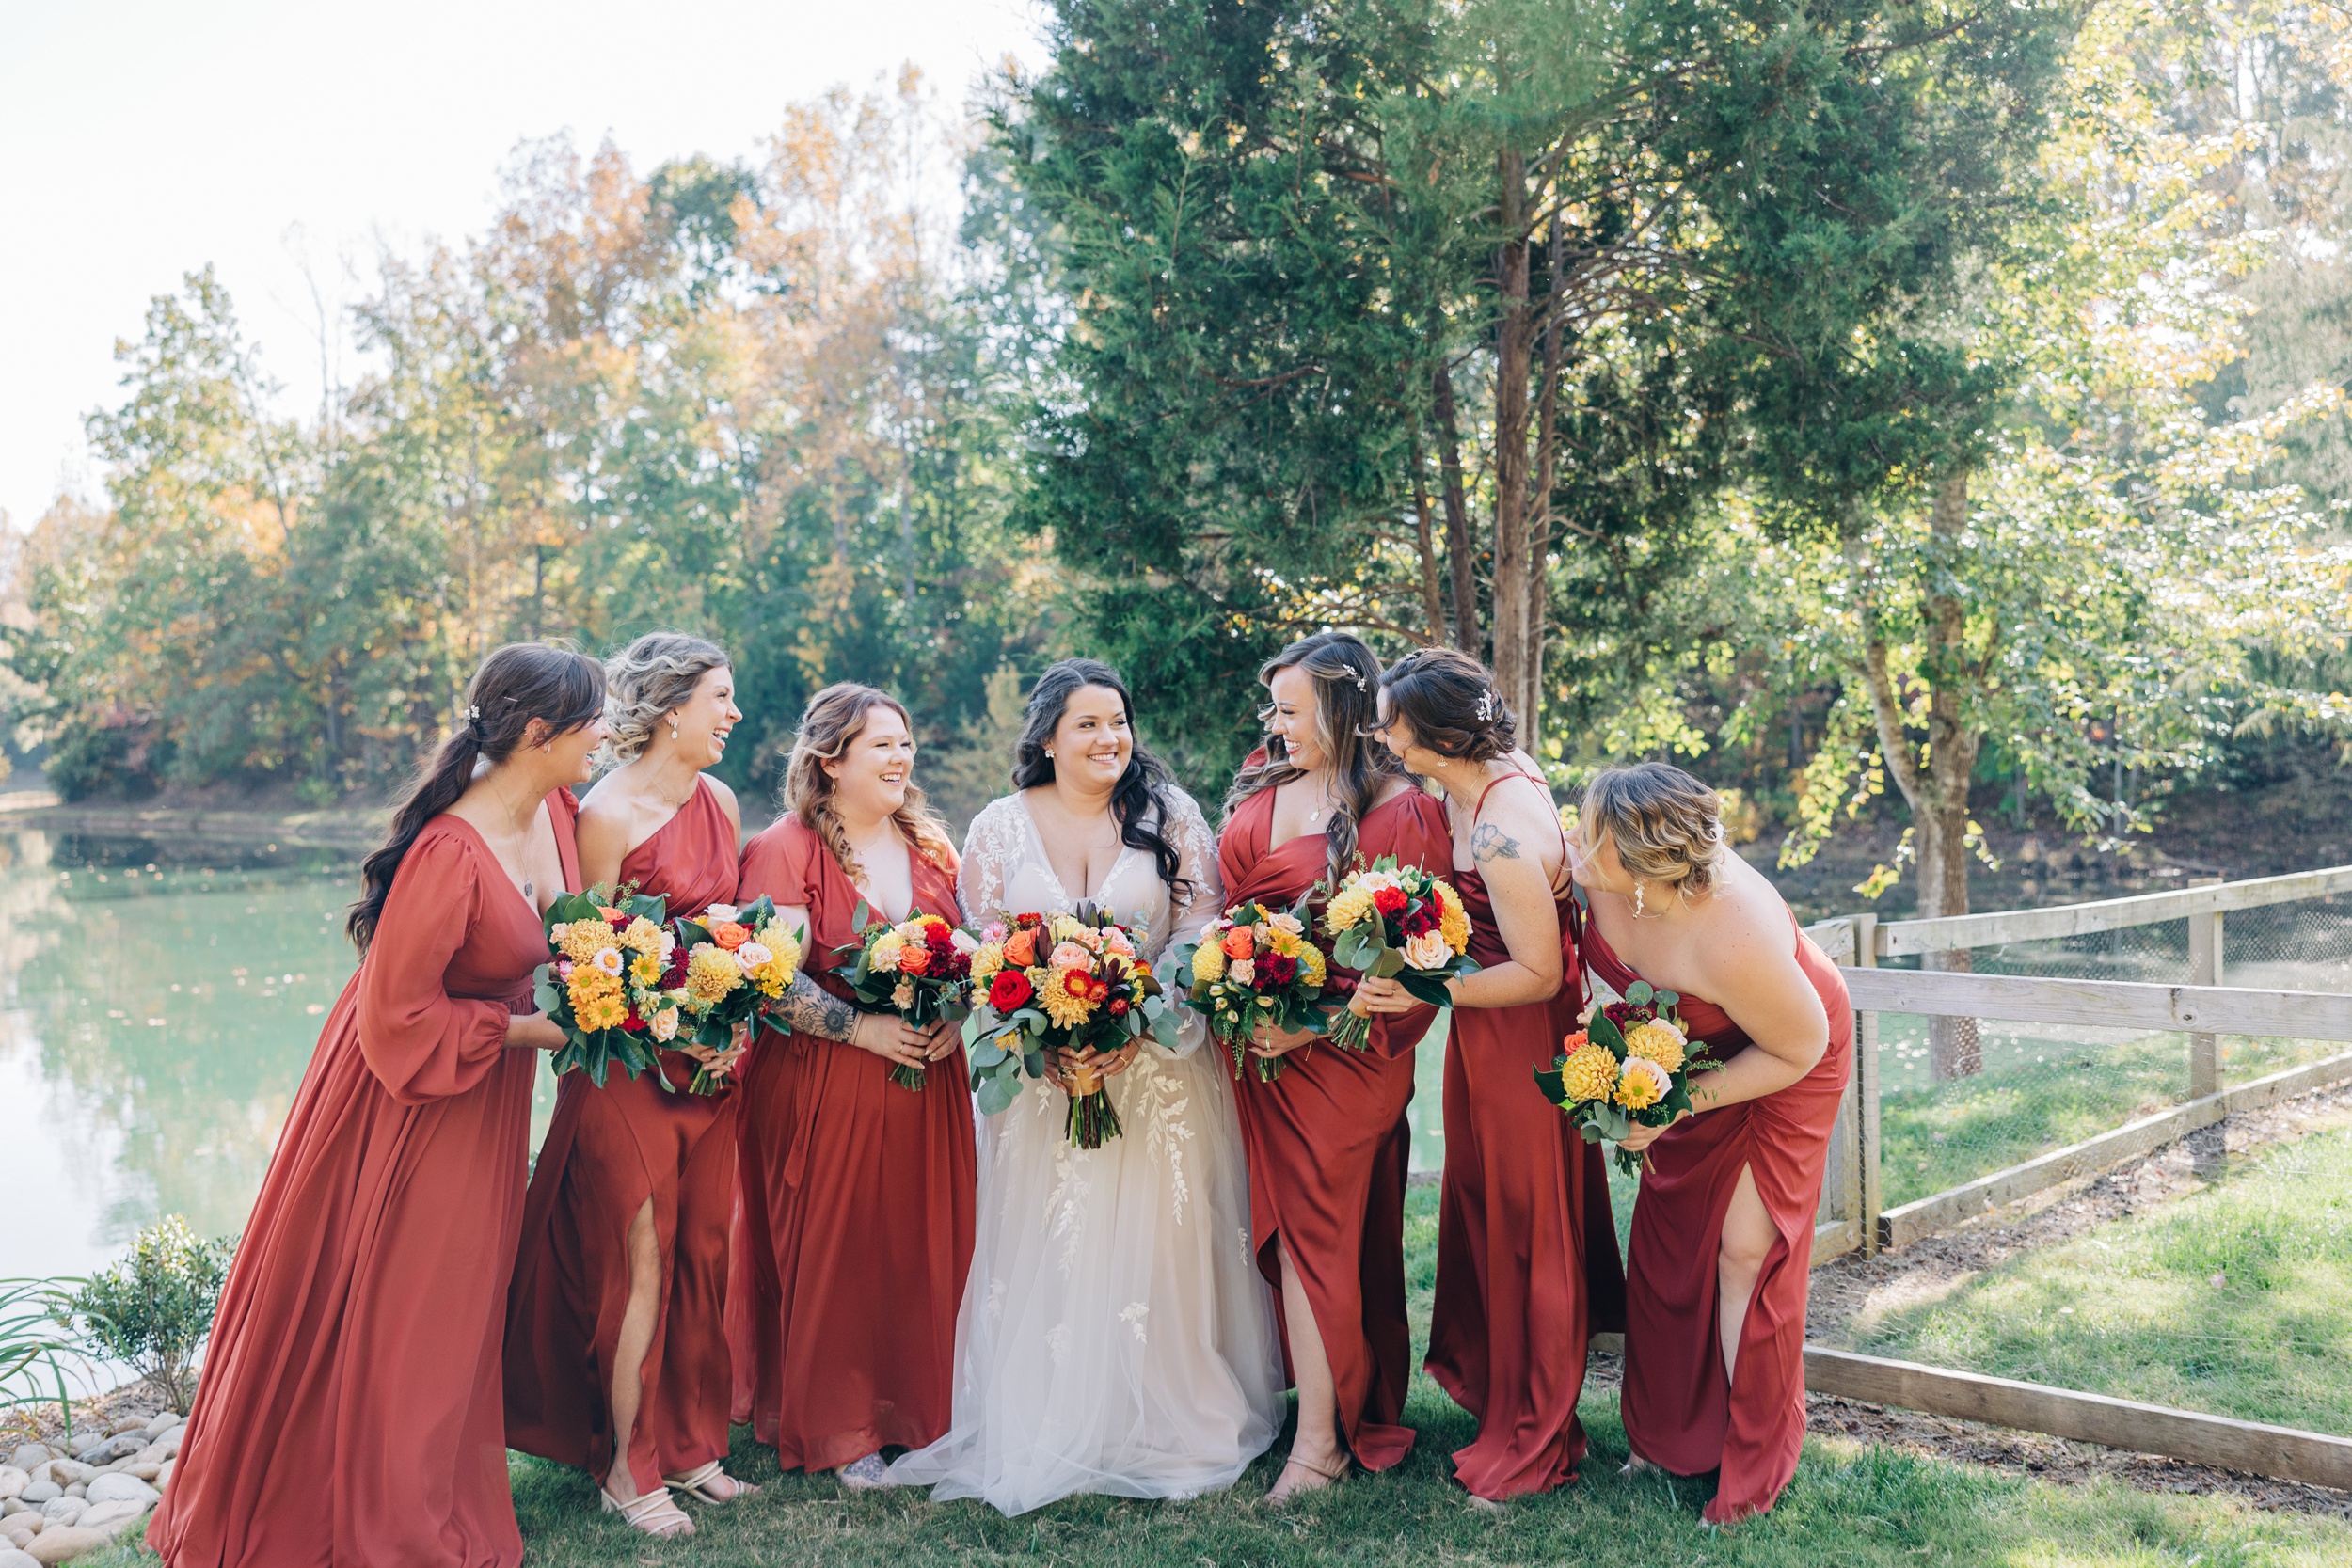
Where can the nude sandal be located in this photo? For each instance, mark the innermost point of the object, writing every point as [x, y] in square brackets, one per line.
[650, 1513]
[695, 1483]
[1334, 1474]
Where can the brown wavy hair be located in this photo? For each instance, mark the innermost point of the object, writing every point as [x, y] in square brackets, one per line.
[1346, 678]
[835, 717]
[1666, 824]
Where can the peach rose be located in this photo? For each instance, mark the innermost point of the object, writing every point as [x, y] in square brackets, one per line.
[730, 936]
[1239, 944]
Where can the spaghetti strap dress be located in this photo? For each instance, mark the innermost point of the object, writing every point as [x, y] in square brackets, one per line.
[608, 1151]
[1328, 1141]
[1526, 1252]
[1679, 1413]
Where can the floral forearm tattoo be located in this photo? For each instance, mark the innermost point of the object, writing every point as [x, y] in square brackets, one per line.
[808, 1008]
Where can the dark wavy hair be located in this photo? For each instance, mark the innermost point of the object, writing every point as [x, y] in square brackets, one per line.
[1348, 706]
[1453, 704]
[1139, 799]
[517, 684]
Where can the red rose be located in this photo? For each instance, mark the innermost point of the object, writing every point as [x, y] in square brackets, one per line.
[913, 960]
[1389, 900]
[1010, 990]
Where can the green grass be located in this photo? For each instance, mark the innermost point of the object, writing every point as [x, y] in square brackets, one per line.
[2231, 1300]
[1849, 1505]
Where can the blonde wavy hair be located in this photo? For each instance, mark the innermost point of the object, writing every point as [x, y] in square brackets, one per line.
[1667, 827]
[653, 676]
[835, 717]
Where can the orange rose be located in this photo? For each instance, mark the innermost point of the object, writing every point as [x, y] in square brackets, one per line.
[730, 936]
[1021, 949]
[1239, 944]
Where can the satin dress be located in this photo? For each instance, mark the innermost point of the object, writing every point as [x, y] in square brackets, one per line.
[853, 1232]
[1679, 1412]
[607, 1152]
[349, 1411]
[1526, 1252]
[1328, 1141]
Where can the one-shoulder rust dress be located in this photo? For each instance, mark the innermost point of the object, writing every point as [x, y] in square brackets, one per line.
[1527, 1253]
[854, 1230]
[1678, 1412]
[607, 1152]
[349, 1411]
[1328, 1141]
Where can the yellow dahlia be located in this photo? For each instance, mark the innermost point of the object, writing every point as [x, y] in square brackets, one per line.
[583, 939]
[1656, 1041]
[1209, 962]
[1590, 1072]
[710, 973]
[642, 936]
[1311, 966]
[987, 961]
[1452, 920]
[1348, 907]
[1066, 1010]
[1641, 1084]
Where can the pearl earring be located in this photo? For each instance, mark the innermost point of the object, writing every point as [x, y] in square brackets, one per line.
[1638, 885]
[1049, 753]
[673, 729]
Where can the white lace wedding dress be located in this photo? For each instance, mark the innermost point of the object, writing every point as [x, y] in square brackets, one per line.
[1114, 1335]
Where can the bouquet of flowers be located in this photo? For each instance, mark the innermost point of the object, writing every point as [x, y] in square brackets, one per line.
[1250, 965]
[1629, 1066]
[1401, 922]
[727, 967]
[604, 979]
[1064, 982]
[920, 969]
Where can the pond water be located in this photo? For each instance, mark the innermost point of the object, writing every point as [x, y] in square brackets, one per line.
[160, 1010]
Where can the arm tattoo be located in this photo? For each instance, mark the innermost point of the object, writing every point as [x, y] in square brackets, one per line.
[1490, 843]
[809, 1008]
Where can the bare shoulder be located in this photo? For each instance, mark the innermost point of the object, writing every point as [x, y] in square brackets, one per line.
[1744, 925]
[726, 796]
[1518, 822]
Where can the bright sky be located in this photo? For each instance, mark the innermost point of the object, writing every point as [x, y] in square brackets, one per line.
[139, 140]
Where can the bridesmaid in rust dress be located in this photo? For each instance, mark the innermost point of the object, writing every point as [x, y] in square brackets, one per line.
[1327, 1140]
[1527, 1254]
[349, 1411]
[854, 1230]
[615, 1335]
[1723, 1230]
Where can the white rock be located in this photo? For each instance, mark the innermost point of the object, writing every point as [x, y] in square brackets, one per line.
[40, 1492]
[65, 1543]
[111, 1518]
[169, 1441]
[79, 1489]
[65, 1472]
[163, 1475]
[159, 1424]
[25, 1524]
[11, 1557]
[63, 1510]
[122, 1489]
[28, 1456]
[122, 1424]
[12, 1481]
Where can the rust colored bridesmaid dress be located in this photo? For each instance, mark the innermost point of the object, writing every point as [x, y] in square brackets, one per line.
[1527, 1253]
[853, 1232]
[349, 1410]
[1679, 1413]
[1328, 1141]
[607, 1152]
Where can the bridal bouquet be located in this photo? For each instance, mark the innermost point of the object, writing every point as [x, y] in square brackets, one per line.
[603, 981]
[1064, 982]
[1253, 965]
[1401, 922]
[920, 969]
[1629, 1066]
[727, 967]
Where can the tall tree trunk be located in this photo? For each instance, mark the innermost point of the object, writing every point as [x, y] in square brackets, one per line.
[1531, 701]
[1509, 587]
[1460, 560]
[1425, 542]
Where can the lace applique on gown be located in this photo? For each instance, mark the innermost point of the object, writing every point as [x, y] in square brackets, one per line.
[1114, 1335]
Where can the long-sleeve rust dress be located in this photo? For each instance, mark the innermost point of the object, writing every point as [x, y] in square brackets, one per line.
[1679, 1414]
[349, 1411]
[608, 1151]
[1527, 1253]
[1328, 1141]
[855, 1229]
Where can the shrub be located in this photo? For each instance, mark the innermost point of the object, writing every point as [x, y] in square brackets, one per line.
[153, 1309]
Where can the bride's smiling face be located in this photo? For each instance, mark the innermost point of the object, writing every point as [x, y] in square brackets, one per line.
[1093, 741]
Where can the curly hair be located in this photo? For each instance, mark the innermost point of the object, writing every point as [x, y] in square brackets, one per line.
[1345, 676]
[1140, 800]
[833, 719]
[656, 674]
[1666, 824]
[1453, 704]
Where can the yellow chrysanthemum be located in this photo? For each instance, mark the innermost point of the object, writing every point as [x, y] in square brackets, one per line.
[1589, 1073]
[710, 973]
[596, 1001]
[1655, 1042]
[1452, 920]
[645, 969]
[1209, 962]
[1067, 928]
[1311, 971]
[1274, 939]
[1349, 908]
[1641, 1084]
[642, 936]
[1065, 1009]
[987, 961]
[784, 943]
[770, 978]
[583, 939]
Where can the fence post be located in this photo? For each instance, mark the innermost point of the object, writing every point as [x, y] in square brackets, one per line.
[2208, 1146]
[1841, 1183]
[1866, 1089]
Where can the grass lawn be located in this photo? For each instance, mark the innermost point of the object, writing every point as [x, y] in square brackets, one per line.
[1849, 1505]
[2232, 1300]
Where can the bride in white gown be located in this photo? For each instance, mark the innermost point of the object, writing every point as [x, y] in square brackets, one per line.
[1114, 1335]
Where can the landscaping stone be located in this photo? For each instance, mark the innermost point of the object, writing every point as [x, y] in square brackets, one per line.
[145, 1469]
[111, 1518]
[122, 1424]
[122, 1489]
[79, 1489]
[11, 1557]
[63, 1510]
[65, 1543]
[21, 1528]
[40, 1492]
[169, 1441]
[29, 1457]
[163, 1476]
[12, 1481]
[65, 1472]
[164, 1421]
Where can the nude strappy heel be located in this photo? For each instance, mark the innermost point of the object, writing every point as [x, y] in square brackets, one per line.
[650, 1513]
[1334, 1473]
[695, 1483]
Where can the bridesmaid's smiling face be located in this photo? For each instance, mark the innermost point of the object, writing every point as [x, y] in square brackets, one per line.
[1093, 741]
[1396, 734]
[570, 754]
[707, 719]
[871, 775]
[1294, 713]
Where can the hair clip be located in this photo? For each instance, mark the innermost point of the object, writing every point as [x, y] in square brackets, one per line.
[1487, 702]
[1357, 676]
[473, 715]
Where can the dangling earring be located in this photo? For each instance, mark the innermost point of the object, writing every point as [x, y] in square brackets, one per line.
[1638, 886]
[548, 746]
[674, 726]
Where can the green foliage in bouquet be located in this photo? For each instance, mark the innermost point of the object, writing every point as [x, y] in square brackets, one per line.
[594, 1013]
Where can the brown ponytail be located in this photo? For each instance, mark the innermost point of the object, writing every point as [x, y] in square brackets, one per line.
[517, 683]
